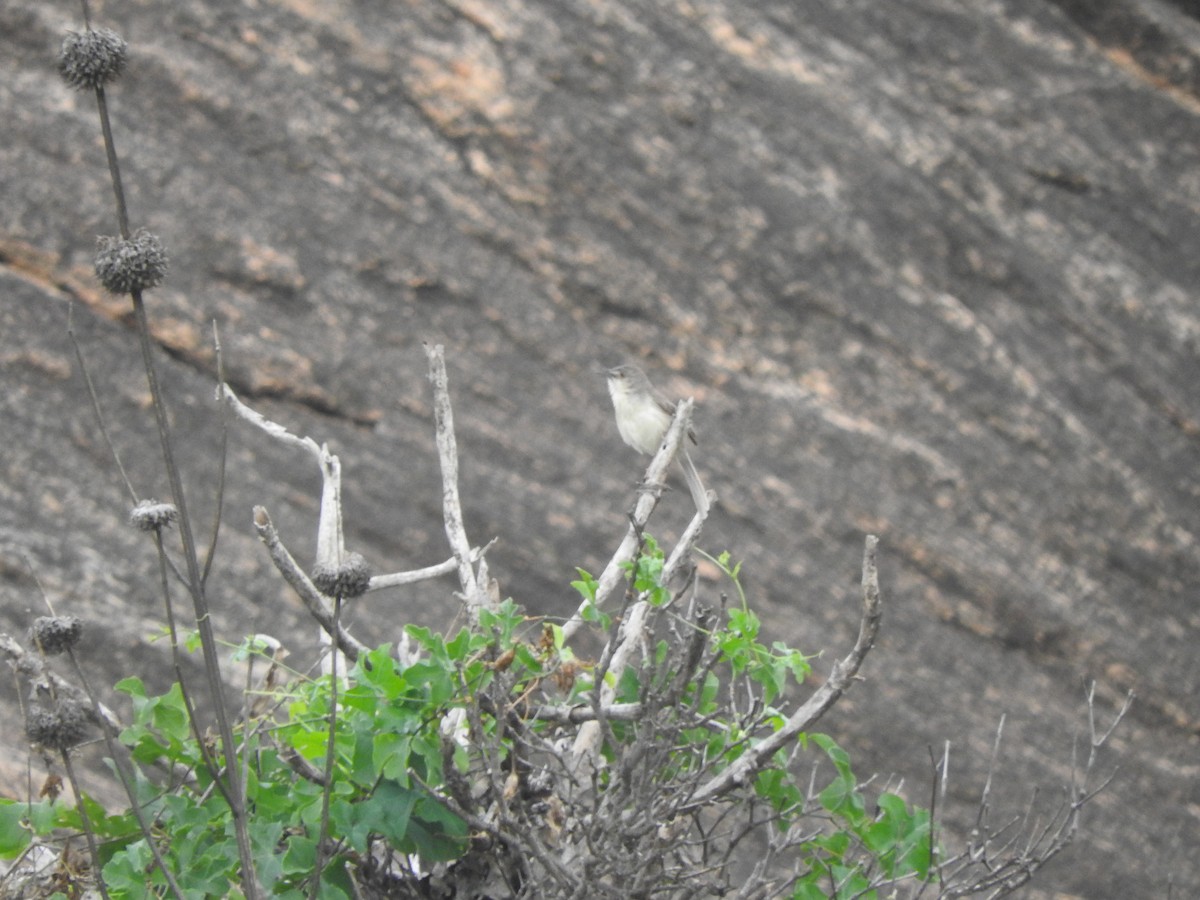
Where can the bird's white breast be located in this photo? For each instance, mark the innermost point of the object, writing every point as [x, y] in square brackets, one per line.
[642, 424]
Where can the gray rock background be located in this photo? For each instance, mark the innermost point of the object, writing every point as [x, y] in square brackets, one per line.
[929, 269]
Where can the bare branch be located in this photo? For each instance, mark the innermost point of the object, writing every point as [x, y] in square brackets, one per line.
[475, 594]
[331, 549]
[576, 714]
[398, 579]
[655, 480]
[628, 638]
[312, 598]
[225, 392]
[819, 703]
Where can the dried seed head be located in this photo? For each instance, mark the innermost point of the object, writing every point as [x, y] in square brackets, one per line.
[136, 264]
[59, 727]
[92, 58]
[56, 634]
[350, 579]
[150, 515]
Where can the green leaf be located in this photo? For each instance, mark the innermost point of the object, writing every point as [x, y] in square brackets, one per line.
[839, 757]
[744, 623]
[629, 687]
[593, 616]
[362, 760]
[839, 797]
[842, 796]
[347, 822]
[436, 833]
[795, 661]
[309, 744]
[433, 678]
[300, 856]
[809, 891]
[166, 714]
[388, 811]
[277, 793]
[426, 758]
[45, 816]
[132, 686]
[461, 646]
[586, 585]
[125, 873]
[503, 621]
[380, 671]
[14, 835]
[252, 645]
[527, 658]
[777, 787]
[899, 837]
[390, 756]
[335, 882]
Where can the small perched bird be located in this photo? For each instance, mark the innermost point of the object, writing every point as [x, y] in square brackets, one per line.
[643, 417]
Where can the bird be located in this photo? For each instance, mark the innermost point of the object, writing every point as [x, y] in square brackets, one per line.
[643, 417]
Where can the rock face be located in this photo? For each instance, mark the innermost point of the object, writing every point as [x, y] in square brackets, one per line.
[929, 270]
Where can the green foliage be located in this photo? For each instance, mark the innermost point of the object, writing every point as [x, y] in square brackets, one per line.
[19, 822]
[392, 748]
[646, 573]
[770, 667]
[731, 571]
[386, 744]
[890, 843]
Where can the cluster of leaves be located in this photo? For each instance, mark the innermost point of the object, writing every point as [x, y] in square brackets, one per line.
[409, 739]
[850, 850]
[383, 739]
[890, 844]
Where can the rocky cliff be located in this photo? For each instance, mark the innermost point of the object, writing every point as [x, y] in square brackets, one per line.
[929, 269]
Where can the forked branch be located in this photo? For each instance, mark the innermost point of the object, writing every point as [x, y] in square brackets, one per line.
[843, 675]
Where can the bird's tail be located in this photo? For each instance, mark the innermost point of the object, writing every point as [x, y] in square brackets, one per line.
[699, 494]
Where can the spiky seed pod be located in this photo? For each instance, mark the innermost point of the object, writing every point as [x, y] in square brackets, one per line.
[150, 515]
[59, 727]
[56, 634]
[92, 58]
[350, 579]
[136, 264]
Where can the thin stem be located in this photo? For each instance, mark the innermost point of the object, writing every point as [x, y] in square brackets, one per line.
[87, 824]
[114, 169]
[177, 661]
[195, 579]
[222, 456]
[330, 754]
[118, 752]
[95, 400]
[120, 757]
[195, 584]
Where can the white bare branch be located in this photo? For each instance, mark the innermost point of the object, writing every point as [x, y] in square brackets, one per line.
[474, 593]
[655, 480]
